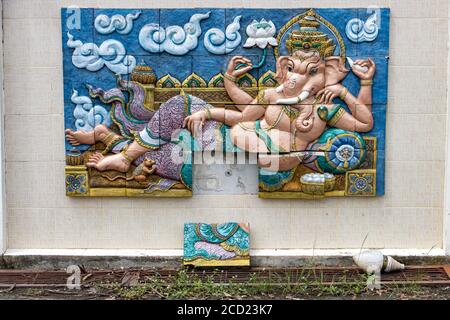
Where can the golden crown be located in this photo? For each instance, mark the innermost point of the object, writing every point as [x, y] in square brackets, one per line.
[308, 38]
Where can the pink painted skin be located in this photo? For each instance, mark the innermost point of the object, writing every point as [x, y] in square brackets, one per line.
[214, 249]
[300, 73]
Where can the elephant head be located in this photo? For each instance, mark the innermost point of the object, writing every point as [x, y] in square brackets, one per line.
[303, 74]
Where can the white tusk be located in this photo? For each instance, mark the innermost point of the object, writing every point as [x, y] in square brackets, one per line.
[357, 67]
[288, 101]
[279, 88]
[302, 97]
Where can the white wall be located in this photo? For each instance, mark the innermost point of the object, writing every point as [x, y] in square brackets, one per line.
[409, 216]
[446, 227]
[3, 214]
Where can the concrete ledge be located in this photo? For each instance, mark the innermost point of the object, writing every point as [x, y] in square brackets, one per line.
[122, 258]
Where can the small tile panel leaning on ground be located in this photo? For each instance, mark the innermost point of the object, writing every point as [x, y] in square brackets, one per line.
[216, 245]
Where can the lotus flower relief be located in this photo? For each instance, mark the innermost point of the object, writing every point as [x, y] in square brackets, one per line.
[261, 34]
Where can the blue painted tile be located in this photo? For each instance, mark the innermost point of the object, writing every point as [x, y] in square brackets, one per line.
[179, 67]
[381, 80]
[79, 23]
[269, 65]
[380, 45]
[209, 66]
[381, 155]
[379, 129]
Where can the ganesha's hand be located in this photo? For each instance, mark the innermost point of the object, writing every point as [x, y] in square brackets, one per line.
[369, 64]
[194, 123]
[242, 64]
[327, 94]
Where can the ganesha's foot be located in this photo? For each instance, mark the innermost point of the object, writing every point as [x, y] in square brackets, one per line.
[78, 137]
[114, 162]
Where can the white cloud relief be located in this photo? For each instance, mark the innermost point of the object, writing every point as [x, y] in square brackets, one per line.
[175, 40]
[218, 42]
[360, 31]
[111, 54]
[86, 115]
[123, 25]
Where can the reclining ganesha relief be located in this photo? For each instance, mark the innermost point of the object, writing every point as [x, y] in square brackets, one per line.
[314, 136]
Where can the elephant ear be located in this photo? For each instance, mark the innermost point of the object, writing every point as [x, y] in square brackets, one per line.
[335, 70]
[283, 64]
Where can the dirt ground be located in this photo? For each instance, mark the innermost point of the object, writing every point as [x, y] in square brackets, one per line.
[407, 293]
[415, 282]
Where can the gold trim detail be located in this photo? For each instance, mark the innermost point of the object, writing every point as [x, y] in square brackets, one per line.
[374, 150]
[124, 154]
[218, 78]
[229, 77]
[289, 195]
[210, 95]
[266, 79]
[194, 81]
[129, 192]
[260, 98]
[361, 183]
[181, 193]
[366, 82]
[149, 102]
[200, 262]
[337, 116]
[166, 80]
[208, 114]
[77, 181]
[239, 252]
[343, 93]
[245, 78]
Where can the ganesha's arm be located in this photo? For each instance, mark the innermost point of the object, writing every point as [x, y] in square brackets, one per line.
[361, 118]
[232, 117]
[365, 96]
[350, 123]
[239, 96]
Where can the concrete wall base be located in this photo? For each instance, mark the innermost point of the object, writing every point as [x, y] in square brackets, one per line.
[60, 259]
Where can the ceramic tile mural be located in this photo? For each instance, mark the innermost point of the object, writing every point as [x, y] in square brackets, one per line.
[209, 245]
[305, 89]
